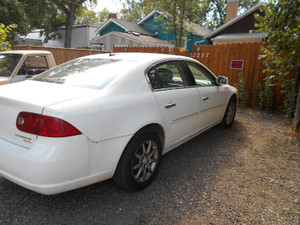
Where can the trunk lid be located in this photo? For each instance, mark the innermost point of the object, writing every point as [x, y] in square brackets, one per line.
[30, 96]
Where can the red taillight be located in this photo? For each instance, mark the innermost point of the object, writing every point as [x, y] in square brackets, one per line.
[45, 125]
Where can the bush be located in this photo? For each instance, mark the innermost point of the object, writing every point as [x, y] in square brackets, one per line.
[264, 94]
[4, 45]
[243, 91]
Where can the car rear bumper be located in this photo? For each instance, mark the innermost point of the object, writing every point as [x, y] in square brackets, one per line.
[51, 166]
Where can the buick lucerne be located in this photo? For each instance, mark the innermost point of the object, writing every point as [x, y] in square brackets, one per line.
[106, 116]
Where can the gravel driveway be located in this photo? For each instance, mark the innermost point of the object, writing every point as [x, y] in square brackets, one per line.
[248, 174]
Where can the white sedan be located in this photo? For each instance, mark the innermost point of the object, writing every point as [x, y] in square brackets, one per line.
[106, 116]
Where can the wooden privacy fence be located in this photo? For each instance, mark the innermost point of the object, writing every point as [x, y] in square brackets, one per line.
[218, 58]
[61, 55]
[229, 60]
[163, 50]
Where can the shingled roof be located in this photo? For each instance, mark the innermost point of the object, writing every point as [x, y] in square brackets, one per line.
[127, 26]
[234, 20]
[198, 30]
[143, 39]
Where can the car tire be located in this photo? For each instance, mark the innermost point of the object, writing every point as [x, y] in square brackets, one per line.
[139, 162]
[229, 114]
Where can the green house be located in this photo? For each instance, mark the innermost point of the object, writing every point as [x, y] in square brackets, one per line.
[153, 23]
[150, 25]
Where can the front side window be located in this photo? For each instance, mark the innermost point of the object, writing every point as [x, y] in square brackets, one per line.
[169, 74]
[201, 75]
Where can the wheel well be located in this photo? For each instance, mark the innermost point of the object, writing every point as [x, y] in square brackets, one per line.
[234, 98]
[157, 129]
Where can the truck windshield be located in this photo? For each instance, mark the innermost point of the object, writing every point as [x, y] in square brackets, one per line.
[8, 63]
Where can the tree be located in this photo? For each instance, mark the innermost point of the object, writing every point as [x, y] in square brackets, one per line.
[177, 13]
[132, 11]
[212, 13]
[282, 51]
[86, 16]
[12, 12]
[49, 15]
[103, 15]
[4, 31]
[43, 15]
[135, 10]
[69, 8]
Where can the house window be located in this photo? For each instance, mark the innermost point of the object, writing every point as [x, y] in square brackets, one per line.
[155, 16]
[101, 47]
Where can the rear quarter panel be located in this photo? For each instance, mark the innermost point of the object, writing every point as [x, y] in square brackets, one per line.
[111, 117]
[120, 109]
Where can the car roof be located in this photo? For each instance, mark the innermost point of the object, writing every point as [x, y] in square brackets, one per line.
[26, 52]
[138, 56]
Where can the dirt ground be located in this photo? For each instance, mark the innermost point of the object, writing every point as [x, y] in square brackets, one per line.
[248, 174]
[259, 183]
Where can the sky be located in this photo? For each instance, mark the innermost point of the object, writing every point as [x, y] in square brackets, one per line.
[111, 5]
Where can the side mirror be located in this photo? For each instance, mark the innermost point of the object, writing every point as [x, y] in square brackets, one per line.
[222, 80]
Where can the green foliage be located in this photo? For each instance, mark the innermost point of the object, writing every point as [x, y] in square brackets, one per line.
[289, 97]
[12, 12]
[85, 16]
[4, 31]
[103, 15]
[212, 13]
[264, 94]
[243, 91]
[176, 16]
[132, 11]
[42, 14]
[49, 15]
[281, 23]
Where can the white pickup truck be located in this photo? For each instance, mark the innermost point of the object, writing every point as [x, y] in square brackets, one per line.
[19, 65]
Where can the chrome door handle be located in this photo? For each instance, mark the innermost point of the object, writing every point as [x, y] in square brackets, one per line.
[170, 105]
[205, 98]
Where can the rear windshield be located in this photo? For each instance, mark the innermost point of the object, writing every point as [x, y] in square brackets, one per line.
[88, 73]
[8, 63]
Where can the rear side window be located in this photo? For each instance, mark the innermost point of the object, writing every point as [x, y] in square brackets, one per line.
[34, 65]
[201, 75]
[169, 74]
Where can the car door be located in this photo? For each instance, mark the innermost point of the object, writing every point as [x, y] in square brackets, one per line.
[178, 101]
[212, 96]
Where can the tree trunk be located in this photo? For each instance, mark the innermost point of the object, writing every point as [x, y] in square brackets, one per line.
[174, 23]
[219, 12]
[182, 12]
[297, 110]
[69, 26]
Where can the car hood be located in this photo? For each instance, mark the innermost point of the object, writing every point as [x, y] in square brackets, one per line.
[31, 96]
[4, 80]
